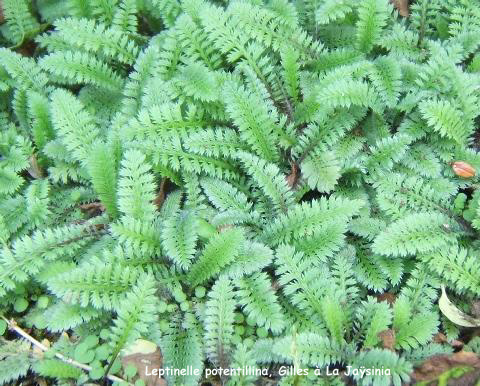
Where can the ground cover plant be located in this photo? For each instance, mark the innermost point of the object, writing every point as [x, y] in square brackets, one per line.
[238, 183]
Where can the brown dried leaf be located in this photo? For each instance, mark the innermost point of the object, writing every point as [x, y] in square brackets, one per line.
[387, 297]
[442, 339]
[437, 365]
[388, 339]
[468, 379]
[142, 354]
[2, 19]
[292, 178]
[93, 208]
[160, 198]
[402, 6]
[476, 308]
[35, 170]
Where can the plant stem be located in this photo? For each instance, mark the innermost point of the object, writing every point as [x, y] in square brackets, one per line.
[12, 325]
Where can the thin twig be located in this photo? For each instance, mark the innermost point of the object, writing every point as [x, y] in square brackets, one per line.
[12, 325]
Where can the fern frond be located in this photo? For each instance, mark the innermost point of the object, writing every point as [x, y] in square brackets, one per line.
[95, 283]
[39, 116]
[15, 360]
[170, 151]
[64, 316]
[30, 254]
[73, 123]
[400, 369]
[333, 10]
[198, 81]
[219, 318]
[259, 302]
[23, 70]
[415, 194]
[20, 22]
[256, 123]
[55, 368]
[195, 44]
[304, 284]
[458, 266]
[304, 219]
[136, 314]
[90, 36]
[125, 18]
[102, 167]
[346, 93]
[373, 317]
[446, 119]
[75, 67]
[310, 349]
[415, 233]
[136, 187]
[225, 196]
[412, 330]
[179, 237]
[221, 250]
[251, 258]
[216, 143]
[386, 76]
[268, 178]
[182, 346]
[322, 171]
[372, 18]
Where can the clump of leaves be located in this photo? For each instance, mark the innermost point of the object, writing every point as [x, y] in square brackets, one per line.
[238, 183]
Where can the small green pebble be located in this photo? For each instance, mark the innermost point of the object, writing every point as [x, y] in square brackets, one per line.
[240, 330]
[40, 322]
[251, 321]
[96, 363]
[163, 325]
[43, 301]
[130, 371]
[80, 349]
[102, 352]
[19, 290]
[200, 292]
[162, 307]
[184, 306]
[20, 305]
[460, 200]
[96, 373]
[91, 341]
[262, 332]
[49, 354]
[104, 334]
[83, 354]
[3, 326]
[75, 195]
[236, 339]
[469, 214]
[117, 365]
[205, 229]
[239, 318]
[179, 296]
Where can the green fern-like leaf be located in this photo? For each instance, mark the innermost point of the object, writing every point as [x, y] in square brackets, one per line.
[219, 318]
[221, 250]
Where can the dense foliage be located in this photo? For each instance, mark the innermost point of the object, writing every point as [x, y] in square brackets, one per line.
[240, 182]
